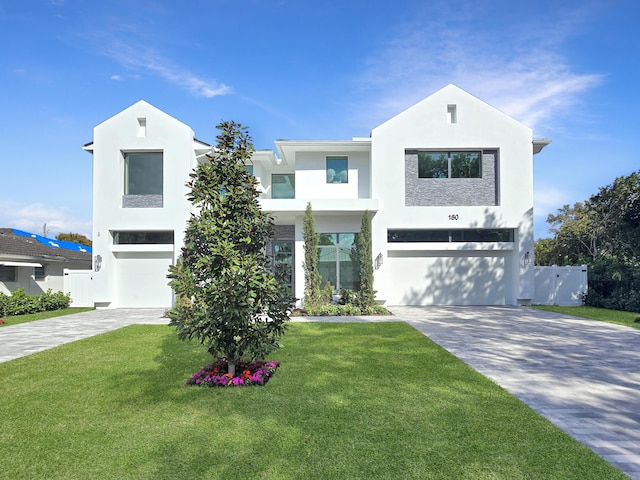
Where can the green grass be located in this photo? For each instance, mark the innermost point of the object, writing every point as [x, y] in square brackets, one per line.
[31, 317]
[350, 401]
[602, 314]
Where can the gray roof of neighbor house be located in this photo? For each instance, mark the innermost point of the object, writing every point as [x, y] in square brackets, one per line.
[18, 245]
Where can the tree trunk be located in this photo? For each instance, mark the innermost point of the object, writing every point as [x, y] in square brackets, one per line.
[232, 368]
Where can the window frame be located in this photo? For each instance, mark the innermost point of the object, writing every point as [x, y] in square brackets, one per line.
[5, 277]
[451, 157]
[334, 159]
[40, 273]
[130, 155]
[332, 242]
[453, 235]
[292, 183]
[144, 237]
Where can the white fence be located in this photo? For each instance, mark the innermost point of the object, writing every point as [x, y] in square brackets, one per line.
[560, 285]
[78, 284]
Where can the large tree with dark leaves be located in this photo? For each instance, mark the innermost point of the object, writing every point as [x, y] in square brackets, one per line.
[226, 297]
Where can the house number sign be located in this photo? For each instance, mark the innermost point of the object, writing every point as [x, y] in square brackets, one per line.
[454, 217]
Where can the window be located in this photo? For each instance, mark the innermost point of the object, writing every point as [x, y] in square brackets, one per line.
[143, 173]
[337, 261]
[283, 185]
[39, 273]
[143, 238]
[461, 235]
[449, 164]
[7, 274]
[337, 170]
[452, 114]
[249, 169]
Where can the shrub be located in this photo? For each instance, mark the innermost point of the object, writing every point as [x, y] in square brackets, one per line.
[21, 303]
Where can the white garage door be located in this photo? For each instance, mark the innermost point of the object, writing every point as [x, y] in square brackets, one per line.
[142, 279]
[457, 278]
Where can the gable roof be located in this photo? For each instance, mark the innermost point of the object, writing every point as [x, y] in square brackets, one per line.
[12, 244]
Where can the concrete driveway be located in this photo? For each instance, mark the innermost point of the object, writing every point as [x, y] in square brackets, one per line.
[583, 375]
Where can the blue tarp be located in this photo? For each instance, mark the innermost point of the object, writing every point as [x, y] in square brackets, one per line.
[51, 242]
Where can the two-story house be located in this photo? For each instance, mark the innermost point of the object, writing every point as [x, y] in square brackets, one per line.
[448, 183]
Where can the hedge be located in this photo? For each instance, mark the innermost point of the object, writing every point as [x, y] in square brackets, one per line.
[20, 303]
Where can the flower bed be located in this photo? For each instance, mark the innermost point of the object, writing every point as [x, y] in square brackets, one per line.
[216, 374]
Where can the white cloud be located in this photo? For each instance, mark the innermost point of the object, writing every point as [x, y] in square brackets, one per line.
[148, 60]
[117, 78]
[517, 69]
[32, 218]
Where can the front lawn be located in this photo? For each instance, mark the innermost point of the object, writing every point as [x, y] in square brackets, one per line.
[31, 317]
[602, 314]
[349, 401]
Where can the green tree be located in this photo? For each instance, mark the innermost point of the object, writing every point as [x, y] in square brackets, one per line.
[75, 238]
[226, 297]
[366, 296]
[312, 280]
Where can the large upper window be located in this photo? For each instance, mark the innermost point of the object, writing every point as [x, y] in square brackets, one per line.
[450, 164]
[337, 170]
[129, 237]
[143, 173]
[283, 185]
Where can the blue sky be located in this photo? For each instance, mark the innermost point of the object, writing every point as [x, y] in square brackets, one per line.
[294, 69]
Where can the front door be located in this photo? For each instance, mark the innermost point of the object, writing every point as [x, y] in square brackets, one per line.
[283, 262]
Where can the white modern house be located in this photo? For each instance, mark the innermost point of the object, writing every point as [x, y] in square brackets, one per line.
[448, 183]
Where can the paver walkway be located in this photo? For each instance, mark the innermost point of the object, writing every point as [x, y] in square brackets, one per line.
[27, 338]
[582, 375]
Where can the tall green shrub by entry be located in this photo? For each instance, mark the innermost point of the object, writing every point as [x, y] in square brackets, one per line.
[366, 296]
[312, 280]
[227, 299]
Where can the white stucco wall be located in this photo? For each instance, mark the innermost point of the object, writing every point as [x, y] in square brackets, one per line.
[118, 135]
[478, 126]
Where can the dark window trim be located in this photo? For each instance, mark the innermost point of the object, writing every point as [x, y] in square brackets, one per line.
[471, 235]
[142, 237]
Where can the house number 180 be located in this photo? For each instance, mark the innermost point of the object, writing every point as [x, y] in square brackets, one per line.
[453, 217]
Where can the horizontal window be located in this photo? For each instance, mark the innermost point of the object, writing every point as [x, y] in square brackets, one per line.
[461, 235]
[7, 274]
[450, 164]
[143, 238]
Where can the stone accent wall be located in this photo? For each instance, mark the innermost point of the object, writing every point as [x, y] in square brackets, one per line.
[284, 232]
[429, 192]
[142, 201]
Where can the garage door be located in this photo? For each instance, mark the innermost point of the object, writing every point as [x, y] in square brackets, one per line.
[457, 278]
[142, 279]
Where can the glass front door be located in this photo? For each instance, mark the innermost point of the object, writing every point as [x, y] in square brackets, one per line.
[283, 262]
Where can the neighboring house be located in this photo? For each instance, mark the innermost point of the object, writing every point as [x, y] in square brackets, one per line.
[448, 182]
[36, 263]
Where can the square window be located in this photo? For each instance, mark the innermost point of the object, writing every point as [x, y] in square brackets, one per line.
[143, 173]
[337, 170]
[7, 274]
[433, 165]
[283, 185]
[466, 165]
